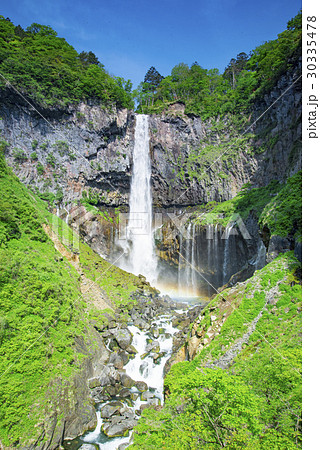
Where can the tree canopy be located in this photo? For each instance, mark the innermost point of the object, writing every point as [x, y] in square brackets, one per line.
[207, 93]
[50, 71]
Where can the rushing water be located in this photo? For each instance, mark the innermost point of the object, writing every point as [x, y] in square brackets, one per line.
[140, 368]
[226, 253]
[140, 257]
[187, 272]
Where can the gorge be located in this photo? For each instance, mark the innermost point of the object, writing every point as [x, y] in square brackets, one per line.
[150, 265]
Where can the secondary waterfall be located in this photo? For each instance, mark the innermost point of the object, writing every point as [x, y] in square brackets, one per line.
[226, 253]
[140, 257]
[187, 274]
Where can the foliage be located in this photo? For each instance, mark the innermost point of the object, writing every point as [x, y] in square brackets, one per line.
[235, 67]
[40, 169]
[51, 72]
[152, 79]
[88, 58]
[51, 160]
[277, 207]
[206, 409]
[283, 214]
[62, 147]
[207, 93]
[19, 155]
[42, 313]
[90, 197]
[255, 402]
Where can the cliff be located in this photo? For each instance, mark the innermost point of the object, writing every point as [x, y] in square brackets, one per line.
[89, 149]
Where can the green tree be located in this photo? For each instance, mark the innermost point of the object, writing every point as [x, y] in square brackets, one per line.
[152, 79]
[88, 58]
[42, 30]
[151, 82]
[235, 67]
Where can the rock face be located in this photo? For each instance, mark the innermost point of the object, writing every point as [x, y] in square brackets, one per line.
[70, 399]
[72, 150]
[87, 150]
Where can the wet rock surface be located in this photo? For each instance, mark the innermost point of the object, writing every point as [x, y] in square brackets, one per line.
[120, 398]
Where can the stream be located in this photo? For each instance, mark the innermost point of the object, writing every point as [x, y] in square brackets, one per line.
[145, 369]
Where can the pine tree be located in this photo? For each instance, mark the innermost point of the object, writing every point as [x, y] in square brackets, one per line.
[152, 79]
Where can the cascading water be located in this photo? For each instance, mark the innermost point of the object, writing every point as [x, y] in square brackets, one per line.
[187, 274]
[143, 367]
[140, 257]
[193, 262]
[226, 253]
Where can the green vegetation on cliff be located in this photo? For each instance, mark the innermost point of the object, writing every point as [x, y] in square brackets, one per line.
[207, 93]
[277, 207]
[47, 69]
[43, 312]
[254, 331]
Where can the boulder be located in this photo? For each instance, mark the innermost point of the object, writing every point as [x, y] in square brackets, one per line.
[104, 380]
[141, 386]
[123, 337]
[119, 429]
[131, 350]
[146, 395]
[126, 381]
[153, 346]
[155, 332]
[124, 356]
[157, 357]
[109, 410]
[116, 360]
[93, 383]
[124, 393]
[111, 372]
[123, 446]
[111, 390]
[142, 324]
[99, 395]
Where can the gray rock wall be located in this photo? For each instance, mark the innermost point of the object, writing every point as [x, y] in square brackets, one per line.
[89, 148]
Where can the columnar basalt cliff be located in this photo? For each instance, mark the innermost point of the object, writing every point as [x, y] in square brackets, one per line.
[89, 149]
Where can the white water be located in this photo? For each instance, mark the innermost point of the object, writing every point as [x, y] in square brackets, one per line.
[140, 370]
[193, 263]
[187, 274]
[145, 369]
[226, 253]
[140, 257]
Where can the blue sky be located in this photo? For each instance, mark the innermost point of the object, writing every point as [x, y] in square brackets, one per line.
[130, 36]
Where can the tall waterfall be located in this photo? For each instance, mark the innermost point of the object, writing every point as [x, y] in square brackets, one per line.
[140, 255]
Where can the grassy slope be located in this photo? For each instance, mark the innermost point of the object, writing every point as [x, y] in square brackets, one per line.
[42, 311]
[256, 402]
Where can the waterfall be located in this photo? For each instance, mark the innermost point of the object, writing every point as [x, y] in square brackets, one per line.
[210, 252]
[226, 253]
[193, 263]
[261, 256]
[187, 278]
[180, 265]
[187, 274]
[139, 247]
